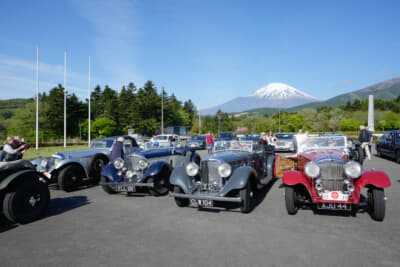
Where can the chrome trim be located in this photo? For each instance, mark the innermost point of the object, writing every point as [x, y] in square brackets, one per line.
[226, 199]
[130, 183]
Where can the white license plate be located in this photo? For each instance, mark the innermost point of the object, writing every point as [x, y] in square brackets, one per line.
[335, 196]
[125, 188]
[201, 202]
[333, 206]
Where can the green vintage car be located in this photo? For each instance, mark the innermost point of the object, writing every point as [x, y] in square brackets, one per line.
[24, 193]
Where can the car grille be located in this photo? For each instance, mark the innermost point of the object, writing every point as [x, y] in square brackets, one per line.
[132, 163]
[332, 176]
[281, 143]
[333, 185]
[209, 169]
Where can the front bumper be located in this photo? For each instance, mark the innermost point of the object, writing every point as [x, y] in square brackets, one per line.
[202, 196]
[134, 184]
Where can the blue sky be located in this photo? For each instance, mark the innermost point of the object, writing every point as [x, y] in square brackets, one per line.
[209, 51]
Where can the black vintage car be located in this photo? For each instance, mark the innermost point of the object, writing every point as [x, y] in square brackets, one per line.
[231, 174]
[389, 145]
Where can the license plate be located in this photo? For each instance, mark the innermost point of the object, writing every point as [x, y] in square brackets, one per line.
[201, 202]
[333, 206]
[335, 196]
[125, 188]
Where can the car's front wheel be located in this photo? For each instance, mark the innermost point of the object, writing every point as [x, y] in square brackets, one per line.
[245, 195]
[26, 201]
[376, 201]
[180, 202]
[70, 178]
[290, 200]
[161, 183]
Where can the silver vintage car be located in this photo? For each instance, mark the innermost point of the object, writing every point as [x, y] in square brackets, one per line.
[68, 169]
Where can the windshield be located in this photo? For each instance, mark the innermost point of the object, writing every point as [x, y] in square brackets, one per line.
[284, 136]
[200, 137]
[224, 135]
[161, 137]
[155, 145]
[253, 136]
[102, 143]
[323, 142]
[233, 146]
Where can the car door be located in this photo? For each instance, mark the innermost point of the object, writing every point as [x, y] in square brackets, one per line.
[383, 143]
[390, 145]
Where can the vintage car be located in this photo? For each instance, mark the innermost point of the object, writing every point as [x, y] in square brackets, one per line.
[325, 178]
[255, 137]
[286, 142]
[231, 174]
[198, 142]
[24, 194]
[68, 169]
[389, 145]
[149, 168]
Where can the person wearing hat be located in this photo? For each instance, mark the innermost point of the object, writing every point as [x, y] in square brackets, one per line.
[118, 149]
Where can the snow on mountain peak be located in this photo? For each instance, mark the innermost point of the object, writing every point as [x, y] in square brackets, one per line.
[279, 90]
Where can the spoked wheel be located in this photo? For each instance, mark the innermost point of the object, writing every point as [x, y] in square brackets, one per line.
[246, 194]
[161, 183]
[70, 178]
[290, 200]
[376, 203]
[107, 188]
[27, 201]
[180, 202]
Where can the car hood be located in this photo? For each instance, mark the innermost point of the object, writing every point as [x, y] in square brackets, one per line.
[229, 156]
[152, 153]
[80, 153]
[318, 154]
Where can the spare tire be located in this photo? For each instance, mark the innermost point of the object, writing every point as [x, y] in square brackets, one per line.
[96, 164]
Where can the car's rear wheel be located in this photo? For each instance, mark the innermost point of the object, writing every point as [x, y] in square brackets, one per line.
[26, 201]
[70, 178]
[360, 155]
[161, 183]
[290, 200]
[245, 195]
[376, 201]
[107, 188]
[180, 202]
[96, 164]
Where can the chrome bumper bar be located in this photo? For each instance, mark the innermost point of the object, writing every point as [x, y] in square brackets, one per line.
[203, 197]
[129, 184]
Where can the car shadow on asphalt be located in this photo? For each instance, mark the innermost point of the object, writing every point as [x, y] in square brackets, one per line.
[85, 184]
[57, 206]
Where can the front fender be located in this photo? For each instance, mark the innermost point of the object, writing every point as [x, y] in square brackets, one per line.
[155, 169]
[375, 178]
[111, 173]
[292, 178]
[238, 180]
[13, 177]
[180, 178]
[67, 162]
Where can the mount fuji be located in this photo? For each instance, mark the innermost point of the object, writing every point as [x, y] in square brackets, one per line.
[274, 95]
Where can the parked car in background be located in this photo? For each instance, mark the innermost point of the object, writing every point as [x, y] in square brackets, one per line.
[149, 168]
[68, 169]
[233, 172]
[226, 136]
[389, 145]
[24, 194]
[198, 142]
[286, 142]
[255, 137]
[326, 179]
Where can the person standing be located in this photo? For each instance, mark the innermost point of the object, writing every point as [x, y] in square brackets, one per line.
[209, 142]
[11, 153]
[272, 140]
[300, 138]
[264, 142]
[365, 139]
[118, 149]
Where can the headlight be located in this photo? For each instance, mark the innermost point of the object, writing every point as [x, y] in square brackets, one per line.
[224, 170]
[192, 169]
[56, 161]
[352, 169]
[44, 163]
[119, 163]
[312, 169]
[143, 163]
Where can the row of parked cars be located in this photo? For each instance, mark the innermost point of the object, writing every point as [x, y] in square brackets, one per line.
[324, 174]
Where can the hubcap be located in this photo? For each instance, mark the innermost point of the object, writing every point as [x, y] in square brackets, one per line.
[33, 200]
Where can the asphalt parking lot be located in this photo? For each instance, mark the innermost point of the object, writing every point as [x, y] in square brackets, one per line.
[90, 228]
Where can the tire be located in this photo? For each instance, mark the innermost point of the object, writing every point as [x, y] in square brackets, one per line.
[245, 195]
[378, 152]
[376, 201]
[161, 183]
[180, 202]
[290, 200]
[96, 164]
[26, 201]
[70, 178]
[360, 153]
[398, 156]
[107, 188]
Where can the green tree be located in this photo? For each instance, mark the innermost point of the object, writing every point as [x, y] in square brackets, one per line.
[104, 127]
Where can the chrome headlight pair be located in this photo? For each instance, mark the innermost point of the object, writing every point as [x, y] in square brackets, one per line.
[224, 170]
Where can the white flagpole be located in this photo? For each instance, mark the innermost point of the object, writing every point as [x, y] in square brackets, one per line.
[89, 103]
[162, 110]
[37, 97]
[65, 98]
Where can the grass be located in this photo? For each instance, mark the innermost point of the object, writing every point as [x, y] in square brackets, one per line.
[46, 152]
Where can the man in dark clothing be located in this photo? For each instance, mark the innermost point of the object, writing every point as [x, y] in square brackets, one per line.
[118, 149]
[264, 142]
[365, 138]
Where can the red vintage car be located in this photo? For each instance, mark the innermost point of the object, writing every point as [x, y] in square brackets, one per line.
[325, 178]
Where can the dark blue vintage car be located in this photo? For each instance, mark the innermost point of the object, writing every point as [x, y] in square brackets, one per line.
[225, 136]
[149, 168]
[231, 174]
[198, 142]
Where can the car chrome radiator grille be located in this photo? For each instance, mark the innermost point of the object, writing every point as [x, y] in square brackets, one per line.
[331, 170]
[333, 185]
[209, 170]
[132, 163]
